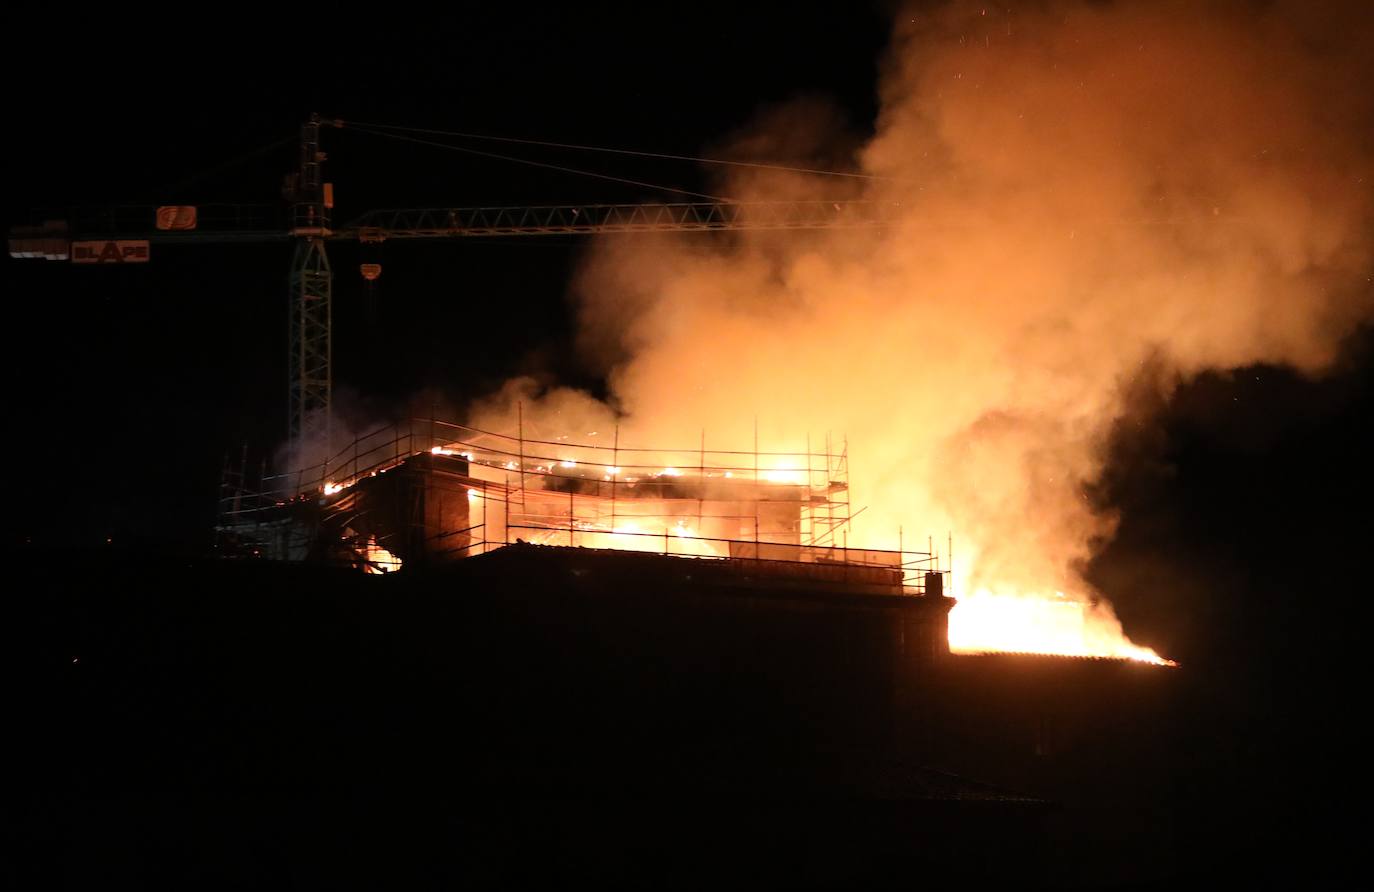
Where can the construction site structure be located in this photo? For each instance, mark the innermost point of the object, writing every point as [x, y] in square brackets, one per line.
[427, 492]
[588, 519]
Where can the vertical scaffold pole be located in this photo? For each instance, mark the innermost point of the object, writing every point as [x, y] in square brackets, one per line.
[520, 430]
[615, 471]
[701, 479]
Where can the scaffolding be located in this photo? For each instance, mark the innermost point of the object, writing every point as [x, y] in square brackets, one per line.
[494, 489]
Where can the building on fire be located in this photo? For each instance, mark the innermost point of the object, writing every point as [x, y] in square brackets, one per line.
[429, 494]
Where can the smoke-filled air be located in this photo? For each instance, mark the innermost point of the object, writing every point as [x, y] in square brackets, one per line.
[1085, 191]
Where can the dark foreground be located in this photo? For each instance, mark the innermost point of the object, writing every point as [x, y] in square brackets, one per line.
[192, 723]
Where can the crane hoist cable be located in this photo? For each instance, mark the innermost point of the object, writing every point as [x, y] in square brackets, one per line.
[558, 167]
[222, 166]
[634, 152]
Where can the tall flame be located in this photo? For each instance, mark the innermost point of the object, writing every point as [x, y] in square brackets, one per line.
[983, 621]
[989, 617]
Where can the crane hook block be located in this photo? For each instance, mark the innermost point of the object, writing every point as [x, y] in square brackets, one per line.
[371, 271]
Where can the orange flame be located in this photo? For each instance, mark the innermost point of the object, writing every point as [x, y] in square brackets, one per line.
[985, 621]
[378, 559]
[990, 618]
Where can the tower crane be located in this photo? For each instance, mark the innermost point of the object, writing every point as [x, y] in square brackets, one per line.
[127, 234]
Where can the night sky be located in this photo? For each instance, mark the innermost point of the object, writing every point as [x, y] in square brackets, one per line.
[1243, 498]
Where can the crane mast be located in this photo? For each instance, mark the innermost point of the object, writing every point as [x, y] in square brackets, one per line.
[309, 339]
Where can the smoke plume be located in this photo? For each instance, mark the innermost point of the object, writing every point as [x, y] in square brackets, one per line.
[1086, 189]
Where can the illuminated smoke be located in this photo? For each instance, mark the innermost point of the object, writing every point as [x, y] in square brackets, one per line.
[1086, 188]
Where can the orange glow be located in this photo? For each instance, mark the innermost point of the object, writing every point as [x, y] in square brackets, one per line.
[651, 535]
[378, 559]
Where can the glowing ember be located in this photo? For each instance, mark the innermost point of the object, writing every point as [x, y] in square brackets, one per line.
[331, 488]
